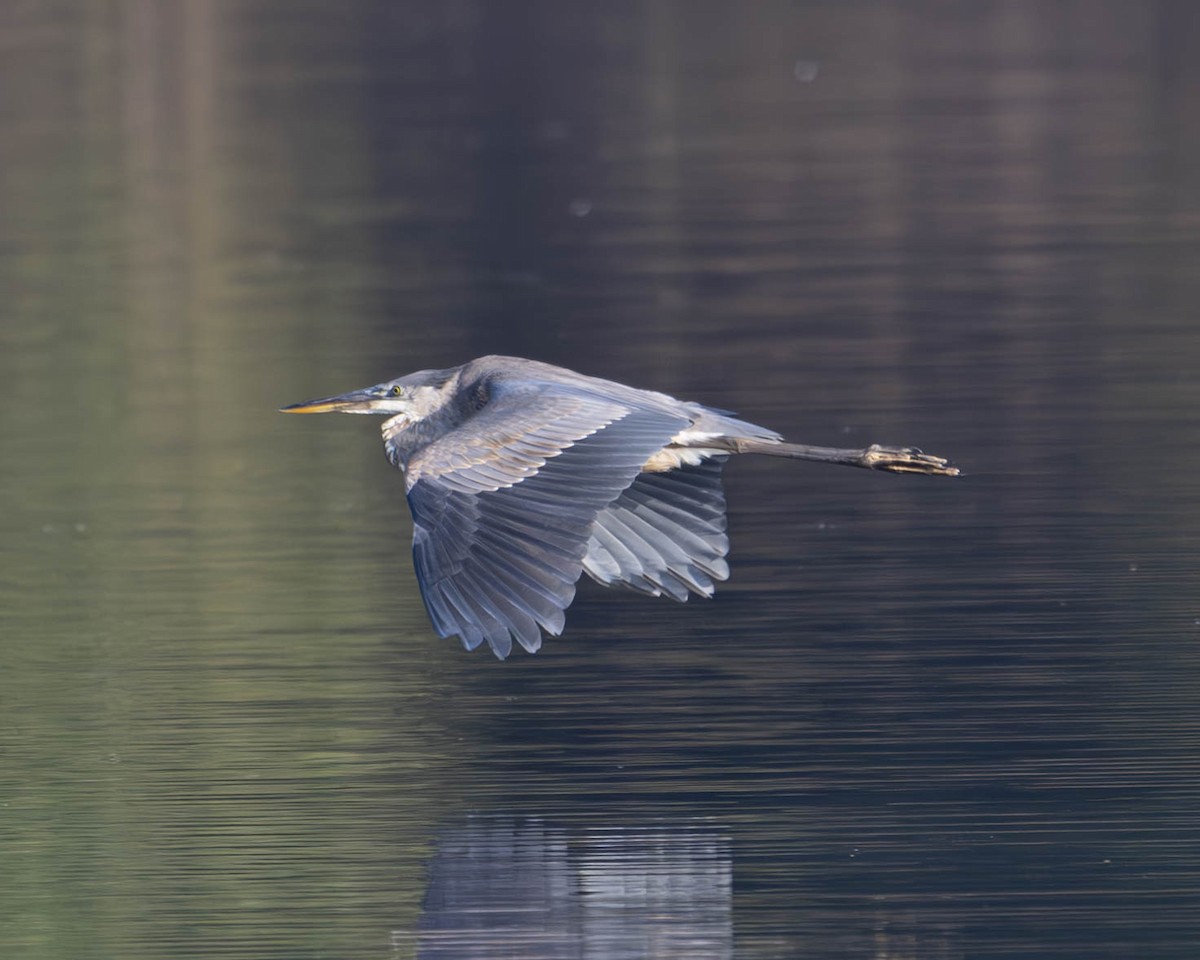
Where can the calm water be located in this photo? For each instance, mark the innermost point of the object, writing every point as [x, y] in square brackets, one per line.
[923, 720]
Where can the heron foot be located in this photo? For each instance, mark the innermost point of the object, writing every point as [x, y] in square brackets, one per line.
[907, 460]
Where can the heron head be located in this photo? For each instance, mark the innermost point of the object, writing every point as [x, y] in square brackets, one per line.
[414, 396]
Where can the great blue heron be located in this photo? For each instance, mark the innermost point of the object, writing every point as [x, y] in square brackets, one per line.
[521, 476]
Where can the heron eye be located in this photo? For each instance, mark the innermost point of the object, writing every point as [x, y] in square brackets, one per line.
[396, 391]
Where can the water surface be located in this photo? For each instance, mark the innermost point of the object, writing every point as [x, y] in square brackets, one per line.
[923, 719]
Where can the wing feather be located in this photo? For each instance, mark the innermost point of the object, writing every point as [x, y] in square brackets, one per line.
[664, 534]
[504, 506]
[610, 561]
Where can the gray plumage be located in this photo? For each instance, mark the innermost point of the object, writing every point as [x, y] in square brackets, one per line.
[522, 476]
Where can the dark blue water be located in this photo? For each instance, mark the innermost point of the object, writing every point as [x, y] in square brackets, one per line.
[923, 719]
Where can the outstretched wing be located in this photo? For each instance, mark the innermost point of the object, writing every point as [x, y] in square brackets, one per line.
[503, 507]
[664, 534]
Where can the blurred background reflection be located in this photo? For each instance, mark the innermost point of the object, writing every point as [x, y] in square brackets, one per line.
[921, 720]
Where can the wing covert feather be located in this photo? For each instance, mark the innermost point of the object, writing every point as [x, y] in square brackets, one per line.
[511, 438]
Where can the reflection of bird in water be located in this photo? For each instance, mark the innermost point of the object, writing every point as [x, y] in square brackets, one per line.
[521, 476]
[500, 886]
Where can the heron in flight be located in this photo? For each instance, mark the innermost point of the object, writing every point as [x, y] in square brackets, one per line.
[523, 476]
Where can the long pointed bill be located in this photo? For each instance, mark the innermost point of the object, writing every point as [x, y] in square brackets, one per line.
[357, 401]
